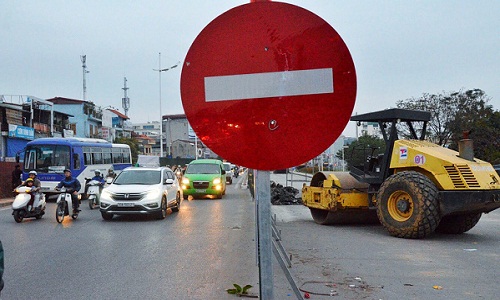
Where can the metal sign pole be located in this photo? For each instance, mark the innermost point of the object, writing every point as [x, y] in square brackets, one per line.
[263, 202]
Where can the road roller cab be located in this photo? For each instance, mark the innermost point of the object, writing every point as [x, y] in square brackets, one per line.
[414, 188]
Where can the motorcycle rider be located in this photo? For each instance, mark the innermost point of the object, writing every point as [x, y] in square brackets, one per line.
[71, 183]
[98, 177]
[36, 182]
[35, 188]
[29, 183]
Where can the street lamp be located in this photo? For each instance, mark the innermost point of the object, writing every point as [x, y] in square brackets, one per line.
[161, 114]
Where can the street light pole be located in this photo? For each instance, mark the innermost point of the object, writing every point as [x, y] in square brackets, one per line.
[161, 114]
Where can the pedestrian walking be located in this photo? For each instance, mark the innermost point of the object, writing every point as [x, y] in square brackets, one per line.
[16, 177]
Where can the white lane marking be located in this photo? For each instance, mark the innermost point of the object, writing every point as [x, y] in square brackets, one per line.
[272, 84]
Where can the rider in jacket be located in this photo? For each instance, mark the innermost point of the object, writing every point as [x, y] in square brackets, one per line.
[73, 184]
[98, 177]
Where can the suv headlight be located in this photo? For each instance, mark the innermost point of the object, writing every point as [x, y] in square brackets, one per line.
[185, 180]
[105, 194]
[216, 181]
[152, 195]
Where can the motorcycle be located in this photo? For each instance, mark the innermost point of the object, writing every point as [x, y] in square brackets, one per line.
[20, 205]
[64, 205]
[93, 193]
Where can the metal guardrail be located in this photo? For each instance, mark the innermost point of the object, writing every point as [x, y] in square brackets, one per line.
[281, 256]
[293, 176]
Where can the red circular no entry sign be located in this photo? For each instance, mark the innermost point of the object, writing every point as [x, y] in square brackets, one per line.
[268, 85]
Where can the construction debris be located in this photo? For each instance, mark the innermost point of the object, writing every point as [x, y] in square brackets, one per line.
[281, 195]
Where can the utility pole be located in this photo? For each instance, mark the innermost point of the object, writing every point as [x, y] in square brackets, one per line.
[83, 58]
[125, 99]
[159, 70]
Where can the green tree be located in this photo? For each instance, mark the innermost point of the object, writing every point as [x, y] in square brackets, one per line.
[357, 152]
[134, 146]
[456, 112]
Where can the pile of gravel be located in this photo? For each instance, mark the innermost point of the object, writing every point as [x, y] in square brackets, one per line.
[281, 195]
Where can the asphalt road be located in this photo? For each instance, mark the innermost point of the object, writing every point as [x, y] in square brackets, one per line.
[364, 262]
[196, 253]
[208, 245]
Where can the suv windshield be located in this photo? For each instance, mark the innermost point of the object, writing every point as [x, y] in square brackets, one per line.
[138, 177]
[227, 167]
[203, 169]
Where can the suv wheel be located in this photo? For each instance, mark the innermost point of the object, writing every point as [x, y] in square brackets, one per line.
[163, 210]
[177, 203]
[106, 216]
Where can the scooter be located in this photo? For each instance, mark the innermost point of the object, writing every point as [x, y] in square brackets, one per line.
[20, 205]
[65, 205]
[93, 193]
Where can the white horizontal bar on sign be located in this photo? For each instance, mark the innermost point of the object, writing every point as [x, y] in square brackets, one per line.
[272, 84]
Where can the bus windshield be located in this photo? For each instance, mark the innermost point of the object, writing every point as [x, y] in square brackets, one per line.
[47, 158]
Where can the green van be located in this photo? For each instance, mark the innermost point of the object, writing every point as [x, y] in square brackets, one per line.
[204, 177]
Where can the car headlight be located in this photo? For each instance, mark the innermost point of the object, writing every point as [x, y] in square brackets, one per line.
[153, 194]
[216, 181]
[185, 181]
[105, 194]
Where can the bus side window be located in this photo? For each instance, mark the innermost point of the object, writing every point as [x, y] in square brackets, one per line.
[76, 161]
[126, 156]
[97, 158]
[87, 158]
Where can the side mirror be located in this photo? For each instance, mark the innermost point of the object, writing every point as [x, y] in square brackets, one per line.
[223, 172]
[169, 181]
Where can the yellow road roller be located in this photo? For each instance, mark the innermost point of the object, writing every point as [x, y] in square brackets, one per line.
[414, 188]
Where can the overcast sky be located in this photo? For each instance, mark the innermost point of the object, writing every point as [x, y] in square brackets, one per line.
[401, 49]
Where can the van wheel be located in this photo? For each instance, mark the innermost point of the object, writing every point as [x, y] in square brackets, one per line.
[407, 205]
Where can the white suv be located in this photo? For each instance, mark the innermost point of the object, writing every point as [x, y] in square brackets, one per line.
[141, 191]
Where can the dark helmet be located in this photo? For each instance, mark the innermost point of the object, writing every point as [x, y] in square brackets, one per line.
[67, 170]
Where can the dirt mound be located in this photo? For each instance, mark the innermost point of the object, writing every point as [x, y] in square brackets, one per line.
[281, 195]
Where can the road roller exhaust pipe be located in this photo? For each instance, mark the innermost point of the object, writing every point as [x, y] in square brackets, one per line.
[466, 147]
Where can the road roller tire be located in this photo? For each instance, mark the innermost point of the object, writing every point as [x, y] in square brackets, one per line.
[407, 205]
[458, 224]
[361, 216]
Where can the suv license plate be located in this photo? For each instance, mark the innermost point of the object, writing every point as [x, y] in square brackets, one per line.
[121, 204]
[200, 191]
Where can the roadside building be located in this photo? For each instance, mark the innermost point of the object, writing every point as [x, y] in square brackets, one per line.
[24, 118]
[86, 117]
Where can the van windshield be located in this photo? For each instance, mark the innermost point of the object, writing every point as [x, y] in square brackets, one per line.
[203, 169]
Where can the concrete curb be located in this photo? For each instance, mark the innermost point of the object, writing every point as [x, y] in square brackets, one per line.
[6, 202]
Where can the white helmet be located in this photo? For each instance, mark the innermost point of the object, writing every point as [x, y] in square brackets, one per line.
[97, 172]
[33, 172]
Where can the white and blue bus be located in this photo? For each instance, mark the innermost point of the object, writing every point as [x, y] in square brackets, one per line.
[50, 156]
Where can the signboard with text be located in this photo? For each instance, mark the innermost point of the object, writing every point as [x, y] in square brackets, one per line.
[21, 132]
